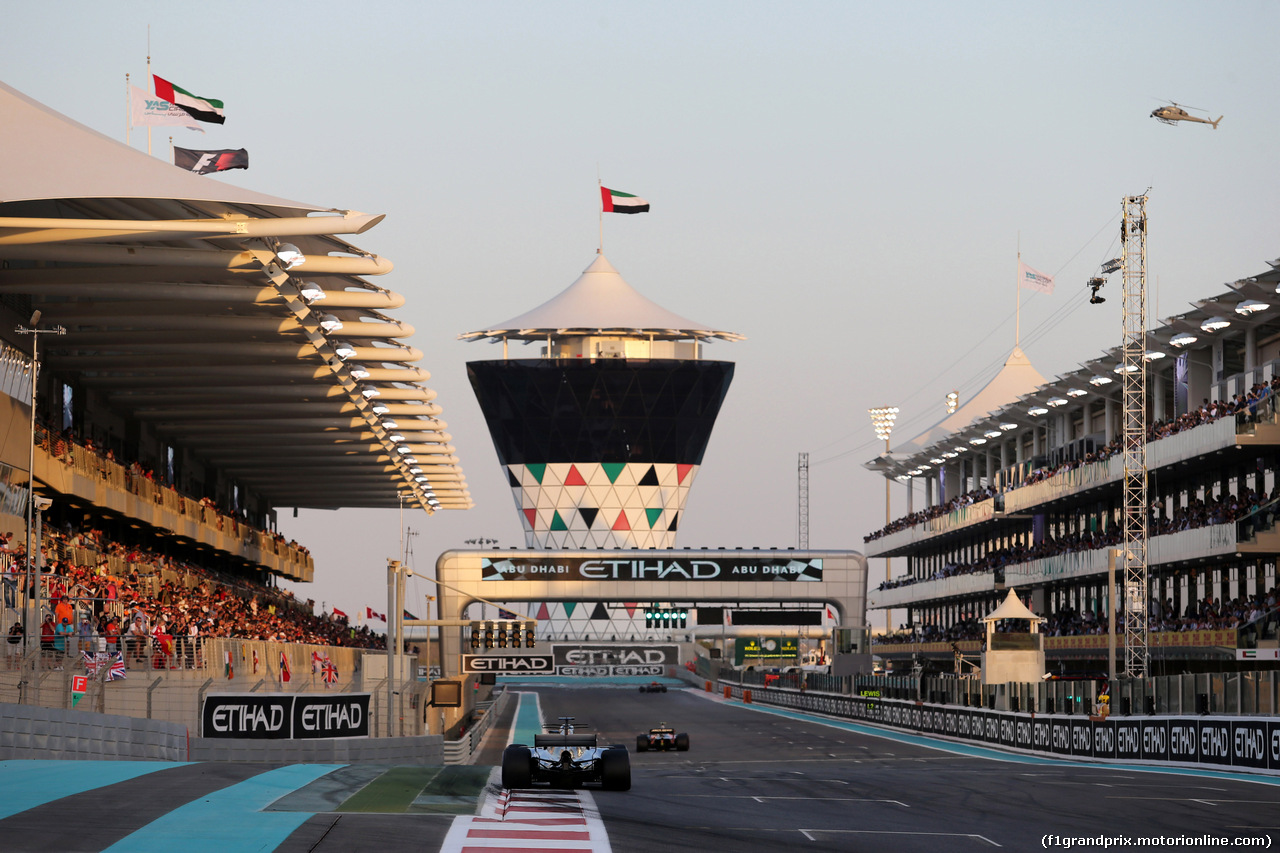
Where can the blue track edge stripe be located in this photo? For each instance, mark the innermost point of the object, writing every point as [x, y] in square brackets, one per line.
[230, 820]
[28, 783]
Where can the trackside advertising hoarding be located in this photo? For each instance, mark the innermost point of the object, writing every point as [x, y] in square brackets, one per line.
[285, 716]
[628, 568]
[1244, 742]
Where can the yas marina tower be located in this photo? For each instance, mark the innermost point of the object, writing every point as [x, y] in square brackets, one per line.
[601, 436]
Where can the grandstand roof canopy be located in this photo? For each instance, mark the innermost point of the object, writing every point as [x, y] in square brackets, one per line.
[599, 303]
[181, 310]
[1018, 396]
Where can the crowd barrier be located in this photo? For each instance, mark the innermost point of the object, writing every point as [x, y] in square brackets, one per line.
[1251, 744]
[57, 733]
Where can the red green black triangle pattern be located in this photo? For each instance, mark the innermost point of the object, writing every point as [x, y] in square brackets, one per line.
[566, 505]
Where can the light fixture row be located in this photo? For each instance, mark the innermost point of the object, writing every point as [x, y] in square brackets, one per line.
[289, 257]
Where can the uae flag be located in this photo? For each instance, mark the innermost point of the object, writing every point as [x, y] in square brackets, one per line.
[230, 670]
[200, 109]
[285, 674]
[614, 201]
[204, 162]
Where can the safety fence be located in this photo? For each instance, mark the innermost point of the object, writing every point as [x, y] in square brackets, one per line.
[1251, 744]
[132, 688]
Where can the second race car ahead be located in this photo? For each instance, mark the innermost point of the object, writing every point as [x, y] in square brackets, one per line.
[662, 736]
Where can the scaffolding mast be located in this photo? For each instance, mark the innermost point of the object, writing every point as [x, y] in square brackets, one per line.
[1133, 238]
[803, 525]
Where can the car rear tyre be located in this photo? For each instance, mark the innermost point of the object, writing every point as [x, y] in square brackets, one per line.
[517, 767]
[642, 743]
[663, 688]
[615, 770]
[682, 742]
[644, 689]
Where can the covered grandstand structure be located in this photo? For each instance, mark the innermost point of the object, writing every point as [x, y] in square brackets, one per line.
[1023, 491]
[222, 354]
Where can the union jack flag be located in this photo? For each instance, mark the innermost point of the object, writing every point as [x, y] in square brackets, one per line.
[330, 671]
[93, 663]
[117, 668]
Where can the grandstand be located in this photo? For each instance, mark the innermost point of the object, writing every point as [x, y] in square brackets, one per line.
[207, 355]
[1023, 490]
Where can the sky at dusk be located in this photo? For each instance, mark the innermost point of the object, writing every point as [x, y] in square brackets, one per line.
[847, 184]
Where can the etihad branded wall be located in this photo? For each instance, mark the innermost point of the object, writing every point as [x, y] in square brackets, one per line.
[1247, 743]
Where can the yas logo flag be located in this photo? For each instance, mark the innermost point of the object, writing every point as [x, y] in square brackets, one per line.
[1034, 279]
[146, 109]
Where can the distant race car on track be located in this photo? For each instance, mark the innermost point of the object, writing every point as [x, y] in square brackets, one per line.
[662, 736]
[653, 687]
[566, 759]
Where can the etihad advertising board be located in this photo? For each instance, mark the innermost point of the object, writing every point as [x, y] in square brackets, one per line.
[658, 568]
[291, 716]
[580, 660]
[1247, 742]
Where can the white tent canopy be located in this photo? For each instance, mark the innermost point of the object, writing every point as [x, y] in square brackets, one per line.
[599, 302]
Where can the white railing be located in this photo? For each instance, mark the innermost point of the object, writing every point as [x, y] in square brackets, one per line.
[1169, 548]
[931, 589]
[955, 520]
[1179, 447]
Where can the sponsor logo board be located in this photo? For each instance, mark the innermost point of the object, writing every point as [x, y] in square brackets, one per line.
[701, 568]
[294, 716]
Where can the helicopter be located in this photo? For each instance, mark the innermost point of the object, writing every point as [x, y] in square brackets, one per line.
[1177, 112]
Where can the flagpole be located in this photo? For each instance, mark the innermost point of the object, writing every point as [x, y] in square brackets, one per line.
[128, 109]
[600, 183]
[1017, 289]
[149, 77]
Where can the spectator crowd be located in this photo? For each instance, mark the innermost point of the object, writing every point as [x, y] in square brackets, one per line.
[1244, 407]
[158, 609]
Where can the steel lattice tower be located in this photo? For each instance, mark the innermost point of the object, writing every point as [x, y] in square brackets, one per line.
[803, 525]
[1134, 394]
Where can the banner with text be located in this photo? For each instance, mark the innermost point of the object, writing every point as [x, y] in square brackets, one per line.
[604, 660]
[291, 716]
[700, 568]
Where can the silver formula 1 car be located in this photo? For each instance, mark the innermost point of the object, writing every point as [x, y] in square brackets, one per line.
[564, 758]
[662, 736]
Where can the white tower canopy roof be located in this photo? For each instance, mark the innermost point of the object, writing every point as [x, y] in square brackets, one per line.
[1012, 608]
[600, 302]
